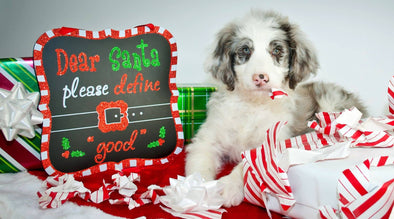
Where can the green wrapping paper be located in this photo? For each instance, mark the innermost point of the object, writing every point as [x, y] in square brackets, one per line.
[192, 108]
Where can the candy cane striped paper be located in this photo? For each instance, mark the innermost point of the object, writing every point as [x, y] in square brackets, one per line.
[326, 123]
[130, 202]
[360, 196]
[390, 95]
[263, 175]
[277, 93]
[309, 141]
[65, 187]
[60, 190]
[332, 124]
[327, 212]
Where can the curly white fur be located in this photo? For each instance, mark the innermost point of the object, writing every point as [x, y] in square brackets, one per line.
[252, 55]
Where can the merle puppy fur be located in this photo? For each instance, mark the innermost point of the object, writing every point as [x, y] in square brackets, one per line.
[249, 58]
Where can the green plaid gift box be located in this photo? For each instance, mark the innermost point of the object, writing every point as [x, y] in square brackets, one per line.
[192, 107]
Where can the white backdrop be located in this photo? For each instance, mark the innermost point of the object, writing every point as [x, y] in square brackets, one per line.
[354, 39]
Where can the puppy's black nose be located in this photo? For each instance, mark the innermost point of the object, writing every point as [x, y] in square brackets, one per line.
[260, 79]
[264, 77]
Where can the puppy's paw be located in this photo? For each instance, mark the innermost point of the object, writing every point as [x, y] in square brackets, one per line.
[233, 193]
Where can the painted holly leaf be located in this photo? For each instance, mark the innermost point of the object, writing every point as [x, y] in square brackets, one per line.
[162, 132]
[153, 144]
[77, 153]
[160, 141]
[65, 143]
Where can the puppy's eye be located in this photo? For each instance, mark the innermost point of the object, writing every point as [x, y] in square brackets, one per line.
[242, 54]
[276, 51]
[246, 50]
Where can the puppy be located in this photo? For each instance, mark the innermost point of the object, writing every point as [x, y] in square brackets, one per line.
[251, 56]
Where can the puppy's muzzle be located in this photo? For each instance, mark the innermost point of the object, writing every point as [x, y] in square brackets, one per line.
[260, 79]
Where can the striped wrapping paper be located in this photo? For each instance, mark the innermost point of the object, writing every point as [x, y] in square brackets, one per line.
[58, 190]
[347, 126]
[390, 95]
[263, 175]
[277, 93]
[22, 153]
[359, 198]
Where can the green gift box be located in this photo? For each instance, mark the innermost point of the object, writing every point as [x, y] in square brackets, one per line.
[192, 103]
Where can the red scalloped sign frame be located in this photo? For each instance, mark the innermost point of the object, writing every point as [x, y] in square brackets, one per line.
[109, 99]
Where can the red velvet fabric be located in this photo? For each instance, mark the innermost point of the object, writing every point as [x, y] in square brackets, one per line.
[158, 175]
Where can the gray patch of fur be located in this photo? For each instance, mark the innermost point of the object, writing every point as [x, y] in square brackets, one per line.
[313, 97]
[238, 51]
[301, 57]
[222, 65]
[282, 58]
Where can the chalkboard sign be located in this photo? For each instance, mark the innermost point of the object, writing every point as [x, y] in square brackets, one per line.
[109, 99]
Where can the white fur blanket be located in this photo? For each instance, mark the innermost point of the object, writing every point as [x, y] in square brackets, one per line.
[18, 199]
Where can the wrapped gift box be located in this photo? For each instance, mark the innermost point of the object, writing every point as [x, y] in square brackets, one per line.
[315, 184]
[344, 168]
[24, 153]
[192, 103]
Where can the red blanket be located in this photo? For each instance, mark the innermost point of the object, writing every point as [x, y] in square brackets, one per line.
[159, 176]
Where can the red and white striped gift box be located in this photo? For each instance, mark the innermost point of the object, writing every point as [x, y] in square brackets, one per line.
[22, 153]
[360, 196]
[263, 175]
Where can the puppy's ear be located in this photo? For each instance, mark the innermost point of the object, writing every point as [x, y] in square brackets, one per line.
[220, 62]
[302, 56]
